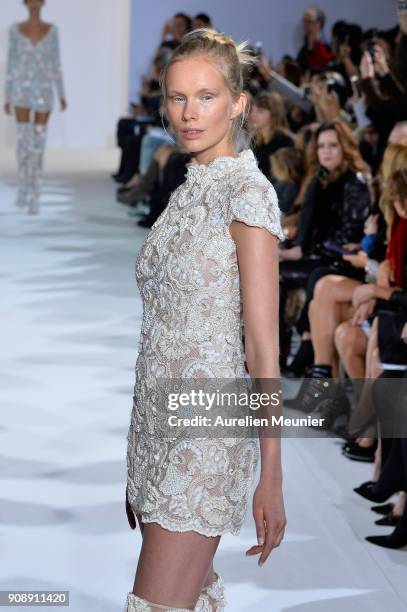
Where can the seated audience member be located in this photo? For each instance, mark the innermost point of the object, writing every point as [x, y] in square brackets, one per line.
[174, 29]
[287, 170]
[371, 148]
[315, 54]
[393, 475]
[202, 20]
[347, 303]
[335, 208]
[268, 125]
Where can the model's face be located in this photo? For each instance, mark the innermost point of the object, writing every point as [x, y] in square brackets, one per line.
[199, 106]
[330, 153]
[260, 118]
[34, 5]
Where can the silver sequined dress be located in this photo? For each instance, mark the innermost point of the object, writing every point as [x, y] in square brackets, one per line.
[33, 70]
[188, 277]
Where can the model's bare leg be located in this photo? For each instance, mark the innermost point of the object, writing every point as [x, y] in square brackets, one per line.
[327, 310]
[181, 573]
[24, 136]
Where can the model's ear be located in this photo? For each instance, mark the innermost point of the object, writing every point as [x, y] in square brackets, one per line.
[239, 105]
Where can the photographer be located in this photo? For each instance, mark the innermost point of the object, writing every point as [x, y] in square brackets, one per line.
[315, 54]
[384, 86]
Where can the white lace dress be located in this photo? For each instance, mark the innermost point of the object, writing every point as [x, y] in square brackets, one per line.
[33, 70]
[188, 277]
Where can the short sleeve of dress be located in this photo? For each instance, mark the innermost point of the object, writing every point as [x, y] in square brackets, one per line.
[256, 204]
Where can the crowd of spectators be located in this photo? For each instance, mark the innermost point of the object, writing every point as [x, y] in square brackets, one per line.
[329, 129]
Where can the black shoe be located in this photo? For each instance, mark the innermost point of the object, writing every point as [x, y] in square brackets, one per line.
[388, 541]
[383, 509]
[353, 451]
[310, 394]
[342, 432]
[330, 408]
[302, 361]
[390, 520]
[367, 490]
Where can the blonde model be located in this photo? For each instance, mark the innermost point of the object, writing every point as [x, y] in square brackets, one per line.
[213, 249]
[33, 70]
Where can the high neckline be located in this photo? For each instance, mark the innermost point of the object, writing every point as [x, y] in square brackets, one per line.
[220, 164]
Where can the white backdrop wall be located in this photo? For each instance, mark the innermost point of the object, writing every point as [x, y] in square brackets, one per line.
[274, 22]
[94, 37]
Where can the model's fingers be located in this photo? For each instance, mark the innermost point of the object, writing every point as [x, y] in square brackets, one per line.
[254, 550]
[258, 516]
[274, 534]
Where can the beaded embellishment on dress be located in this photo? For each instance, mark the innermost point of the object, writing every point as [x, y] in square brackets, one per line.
[187, 273]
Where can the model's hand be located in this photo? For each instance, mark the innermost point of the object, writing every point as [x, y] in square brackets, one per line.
[63, 104]
[7, 109]
[130, 514]
[404, 333]
[270, 520]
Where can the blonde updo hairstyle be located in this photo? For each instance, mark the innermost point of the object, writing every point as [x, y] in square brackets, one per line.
[230, 57]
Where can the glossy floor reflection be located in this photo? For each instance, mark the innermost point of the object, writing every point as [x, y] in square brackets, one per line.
[70, 315]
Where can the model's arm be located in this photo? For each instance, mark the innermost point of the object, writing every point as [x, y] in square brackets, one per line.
[56, 62]
[11, 65]
[255, 227]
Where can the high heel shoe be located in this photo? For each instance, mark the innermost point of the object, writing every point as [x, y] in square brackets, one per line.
[388, 541]
[390, 520]
[383, 509]
[354, 451]
[366, 490]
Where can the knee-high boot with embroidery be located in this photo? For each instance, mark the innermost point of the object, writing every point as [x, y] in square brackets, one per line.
[137, 604]
[38, 140]
[23, 150]
[215, 592]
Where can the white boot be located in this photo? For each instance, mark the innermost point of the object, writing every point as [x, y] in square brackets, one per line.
[137, 604]
[38, 140]
[216, 594]
[23, 149]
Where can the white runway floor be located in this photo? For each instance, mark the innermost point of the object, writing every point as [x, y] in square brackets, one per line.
[70, 319]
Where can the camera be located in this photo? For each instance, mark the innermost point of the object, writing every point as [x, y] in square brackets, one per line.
[370, 43]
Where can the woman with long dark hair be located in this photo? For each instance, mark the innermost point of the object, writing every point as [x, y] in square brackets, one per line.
[334, 211]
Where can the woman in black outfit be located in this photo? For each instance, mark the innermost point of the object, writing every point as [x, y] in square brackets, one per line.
[269, 128]
[335, 208]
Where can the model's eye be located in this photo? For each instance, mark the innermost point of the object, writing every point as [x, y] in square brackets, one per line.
[207, 98]
[177, 98]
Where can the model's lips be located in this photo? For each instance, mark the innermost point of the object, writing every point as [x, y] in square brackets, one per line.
[191, 133]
